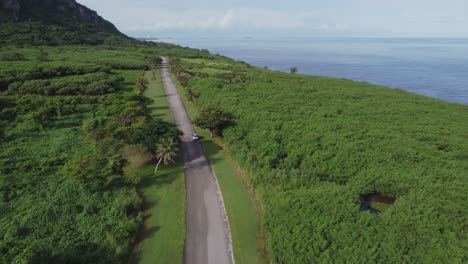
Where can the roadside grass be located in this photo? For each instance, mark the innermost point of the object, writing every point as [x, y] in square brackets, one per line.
[155, 91]
[163, 235]
[205, 62]
[243, 217]
[213, 70]
[209, 67]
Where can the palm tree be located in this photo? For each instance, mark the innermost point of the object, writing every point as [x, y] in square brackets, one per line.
[166, 151]
[152, 66]
[142, 84]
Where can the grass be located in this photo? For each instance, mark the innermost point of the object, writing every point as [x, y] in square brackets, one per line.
[205, 62]
[162, 240]
[240, 207]
[155, 91]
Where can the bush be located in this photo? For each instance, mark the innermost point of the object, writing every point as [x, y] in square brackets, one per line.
[151, 133]
[12, 56]
[314, 146]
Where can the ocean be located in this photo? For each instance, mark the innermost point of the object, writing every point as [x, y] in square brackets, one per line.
[436, 67]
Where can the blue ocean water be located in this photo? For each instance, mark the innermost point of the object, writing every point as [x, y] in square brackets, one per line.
[436, 67]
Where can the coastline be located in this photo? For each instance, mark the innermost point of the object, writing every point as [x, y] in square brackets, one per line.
[391, 62]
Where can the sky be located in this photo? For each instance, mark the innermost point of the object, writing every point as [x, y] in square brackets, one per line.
[403, 18]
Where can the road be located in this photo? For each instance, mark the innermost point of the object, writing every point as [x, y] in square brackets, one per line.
[208, 240]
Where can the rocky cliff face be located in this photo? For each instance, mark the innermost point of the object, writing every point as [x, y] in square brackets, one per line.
[9, 9]
[51, 10]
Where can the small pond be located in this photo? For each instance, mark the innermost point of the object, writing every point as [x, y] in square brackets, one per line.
[377, 203]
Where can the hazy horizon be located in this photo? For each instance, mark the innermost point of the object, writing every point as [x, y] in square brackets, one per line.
[361, 18]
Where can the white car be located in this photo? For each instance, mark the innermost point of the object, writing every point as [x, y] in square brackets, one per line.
[195, 137]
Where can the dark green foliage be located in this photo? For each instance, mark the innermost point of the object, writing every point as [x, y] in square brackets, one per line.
[151, 133]
[142, 85]
[155, 60]
[315, 146]
[12, 56]
[214, 119]
[191, 96]
[70, 32]
[88, 84]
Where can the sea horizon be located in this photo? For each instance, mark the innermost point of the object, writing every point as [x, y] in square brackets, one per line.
[431, 66]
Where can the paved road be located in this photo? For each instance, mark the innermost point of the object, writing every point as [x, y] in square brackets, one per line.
[207, 239]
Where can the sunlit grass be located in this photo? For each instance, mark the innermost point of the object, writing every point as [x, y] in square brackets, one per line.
[163, 236]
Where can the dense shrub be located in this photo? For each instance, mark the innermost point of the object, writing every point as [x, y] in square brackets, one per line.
[150, 133]
[67, 194]
[314, 146]
[88, 84]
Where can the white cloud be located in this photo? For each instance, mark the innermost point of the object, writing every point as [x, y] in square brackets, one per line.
[238, 19]
[357, 17]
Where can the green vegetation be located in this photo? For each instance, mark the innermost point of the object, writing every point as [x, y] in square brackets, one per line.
[166, 151]
[242, 214]
[212, 118]
[72, 127]
[161, 240]
[71, 32]
[313, 146]
[53, 23]
[77, 133]
[381, 207]
[293, 70]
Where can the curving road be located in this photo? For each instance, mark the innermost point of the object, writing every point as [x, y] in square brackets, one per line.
[208, 239]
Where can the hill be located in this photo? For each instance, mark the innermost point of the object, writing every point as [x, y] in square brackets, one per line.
[54, 22]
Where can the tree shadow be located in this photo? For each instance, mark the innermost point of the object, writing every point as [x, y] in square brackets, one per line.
[147, 233]
[163, 178]
[154, 108]
[199, 148]
[160, 96]
[143, 234]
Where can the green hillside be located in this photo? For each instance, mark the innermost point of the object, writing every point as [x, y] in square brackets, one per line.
[71, 32]
[315, 147]
[58, 22]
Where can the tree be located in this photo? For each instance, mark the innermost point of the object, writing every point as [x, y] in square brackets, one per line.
[191, 96]
[152, 67]
[142, 84]
[166, 151]
[293, 70]
[214, 119]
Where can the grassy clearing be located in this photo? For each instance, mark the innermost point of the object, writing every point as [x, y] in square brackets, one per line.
[243, 217]
[162, 241]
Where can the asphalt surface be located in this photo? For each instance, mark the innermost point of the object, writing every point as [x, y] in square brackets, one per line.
[208, 239]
